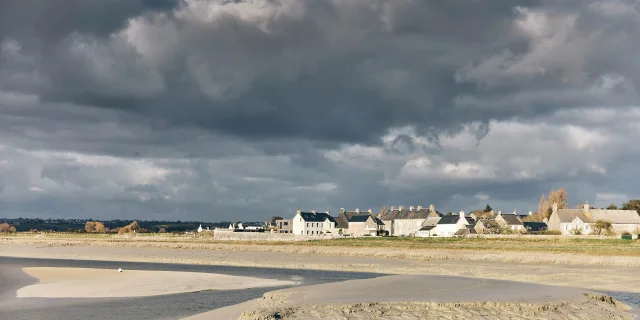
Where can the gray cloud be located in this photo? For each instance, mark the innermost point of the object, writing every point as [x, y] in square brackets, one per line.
[207, 108]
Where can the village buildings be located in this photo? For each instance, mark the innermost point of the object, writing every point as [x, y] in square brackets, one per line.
[309, 223]
[581, 221]
[402, 222]
[449, 225]
[510, 221]
[427, 222]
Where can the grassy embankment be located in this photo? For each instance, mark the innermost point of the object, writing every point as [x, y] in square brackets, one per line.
[562, 245]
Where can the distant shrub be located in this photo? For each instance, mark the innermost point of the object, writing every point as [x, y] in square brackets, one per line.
[94, 226]
[601, 227]
[132, 227]
[7, 228]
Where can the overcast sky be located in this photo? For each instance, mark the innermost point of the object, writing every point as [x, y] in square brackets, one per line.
[218, 109]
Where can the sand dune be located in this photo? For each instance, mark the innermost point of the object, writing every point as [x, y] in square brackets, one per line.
[103, 283]
[412, 297]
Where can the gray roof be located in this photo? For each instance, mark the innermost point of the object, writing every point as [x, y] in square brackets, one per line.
[511, 219]
[452, 219]
[431, 221]
[467, 230]
[613, 216]
[379, 222]
[359, 218]
[315, 217]
[342, 222]
[409, 214]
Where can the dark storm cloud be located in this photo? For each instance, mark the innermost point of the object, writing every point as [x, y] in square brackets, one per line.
[330, 71]
[207, 108]
[51, 21]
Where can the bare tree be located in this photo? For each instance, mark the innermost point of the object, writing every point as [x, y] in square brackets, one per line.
[544, 207]
[559, 197]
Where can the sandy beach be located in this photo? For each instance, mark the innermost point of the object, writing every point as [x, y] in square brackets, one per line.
[593, 277]
[410, 297]
[103, 283]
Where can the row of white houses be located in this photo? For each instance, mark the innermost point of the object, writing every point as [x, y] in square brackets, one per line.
[414, 221]
[427, 222]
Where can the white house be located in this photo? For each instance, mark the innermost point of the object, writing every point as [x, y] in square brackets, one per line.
[309, 223]
[448, 225]
[580, 221]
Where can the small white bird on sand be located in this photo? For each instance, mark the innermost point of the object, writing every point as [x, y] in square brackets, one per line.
[119, 269]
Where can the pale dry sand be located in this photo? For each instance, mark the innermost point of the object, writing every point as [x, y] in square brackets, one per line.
[416, 297]
[103, 283]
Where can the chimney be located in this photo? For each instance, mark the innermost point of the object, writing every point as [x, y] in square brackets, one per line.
[419, 208]
[462, 214]
[411, 208]
[499, 212]
[328, 212]
[341, 210]
[554, 207]
[530, 213]
[401, 208]
[432, 208]
[586, 206]
[357, 210]
[299, 211]
[313, 211]
[370, 211]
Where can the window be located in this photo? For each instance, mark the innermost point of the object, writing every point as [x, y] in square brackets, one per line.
[286, 223]
[566, 227]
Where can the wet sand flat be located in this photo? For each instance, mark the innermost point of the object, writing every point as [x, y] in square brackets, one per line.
[103, 283]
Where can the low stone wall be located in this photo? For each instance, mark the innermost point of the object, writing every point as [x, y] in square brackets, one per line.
[259, 236]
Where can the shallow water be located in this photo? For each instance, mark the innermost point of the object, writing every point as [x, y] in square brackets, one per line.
[159, 307]
[629, 298]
